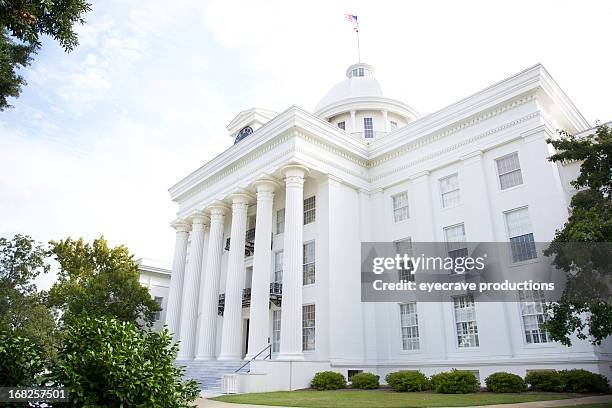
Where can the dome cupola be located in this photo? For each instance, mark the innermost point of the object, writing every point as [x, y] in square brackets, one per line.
[357, 105]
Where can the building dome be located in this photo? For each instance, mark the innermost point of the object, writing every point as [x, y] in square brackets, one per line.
[359, 82]
[357, 105]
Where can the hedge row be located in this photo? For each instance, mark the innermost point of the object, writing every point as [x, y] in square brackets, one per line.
[463, 382]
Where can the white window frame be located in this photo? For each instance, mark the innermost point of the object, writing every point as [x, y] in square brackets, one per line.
[526, 245]
[309, 269]
[532, 304]
[160, 301]
[455, 247]
[410, 341]
[309, 334]
[400, 213]
[404, 273]
[506, 172]
[280, 221]
[278, 267]
[310, 209]
[455, 193]
[276, 330]
[469, 328]
[368, 128]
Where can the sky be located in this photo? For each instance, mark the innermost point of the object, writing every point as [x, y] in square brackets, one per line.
[100, 134]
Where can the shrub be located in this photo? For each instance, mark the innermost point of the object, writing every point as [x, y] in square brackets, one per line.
[549, 380]
[21, 361]
[505, 382]
[365, 381]
[106, 362]
[403, 381]
[583, 381]
[455, 382]
[328, 380]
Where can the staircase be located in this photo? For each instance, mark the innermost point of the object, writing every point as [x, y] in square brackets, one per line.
[209, 374]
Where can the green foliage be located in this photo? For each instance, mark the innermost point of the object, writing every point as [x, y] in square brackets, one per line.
[455, 382]
[584, 308]
[505, 382]
[365, 381]
[328, 380]
[106, 362]
[584, 381]
[545, 380]
[21, 361]
[23, 311]
[403, 381]
[22, 25]
[95, 280]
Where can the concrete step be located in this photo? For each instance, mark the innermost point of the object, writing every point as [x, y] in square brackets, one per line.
[209, 374]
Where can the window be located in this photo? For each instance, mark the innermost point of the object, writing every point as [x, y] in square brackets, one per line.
[533, 313]
[410, 326]
[278, 267]
[280, 221]
[393, 125]
[400, 206]
[308, 327]
[449, 188]
[368, 128]
[342, 125]
[310, 210]
[455, 241]
[465, 320]
[522, 244]
[276, 330]
[402, 247]
[159, 301]
[309, 263]
[509, 170]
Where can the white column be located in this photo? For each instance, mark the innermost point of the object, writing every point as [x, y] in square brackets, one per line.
[262, 262]
[173, 308]
[385, 120]
[207, 323]
[231, 337]
[353, 122]
[189, 308]
[291, 316]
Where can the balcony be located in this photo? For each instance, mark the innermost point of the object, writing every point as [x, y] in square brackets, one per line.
[249, 245]
[276, 296]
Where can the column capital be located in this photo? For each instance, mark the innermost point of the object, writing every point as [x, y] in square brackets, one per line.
[180, 225]
[474, 156]
[294, 172]
[265, 183]
[198, 219]
[420, 175]
[217, 208]
[240, 197]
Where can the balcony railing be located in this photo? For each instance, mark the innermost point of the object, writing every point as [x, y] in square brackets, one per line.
[276, 296]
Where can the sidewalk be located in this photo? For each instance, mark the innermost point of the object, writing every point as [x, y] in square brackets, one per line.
[600, 399]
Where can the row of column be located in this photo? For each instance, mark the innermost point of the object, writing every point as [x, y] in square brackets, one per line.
[194, 285]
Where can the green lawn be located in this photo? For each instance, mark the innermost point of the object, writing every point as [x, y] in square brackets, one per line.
[383, 399]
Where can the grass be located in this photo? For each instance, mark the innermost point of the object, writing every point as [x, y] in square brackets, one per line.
[385, 399]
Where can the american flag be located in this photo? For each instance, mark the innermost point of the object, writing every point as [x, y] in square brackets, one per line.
[352, 19]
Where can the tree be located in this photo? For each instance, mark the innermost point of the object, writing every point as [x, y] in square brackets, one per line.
[22, 25]
[95, 280]
[23, 311]
[109, 363]
[582, 248]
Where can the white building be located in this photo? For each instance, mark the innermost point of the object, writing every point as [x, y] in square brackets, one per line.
[288, 205]
[155, 276]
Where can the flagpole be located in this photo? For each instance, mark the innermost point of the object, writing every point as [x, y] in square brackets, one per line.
[358, 46]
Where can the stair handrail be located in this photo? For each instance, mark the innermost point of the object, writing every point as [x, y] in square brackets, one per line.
[269, 346]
